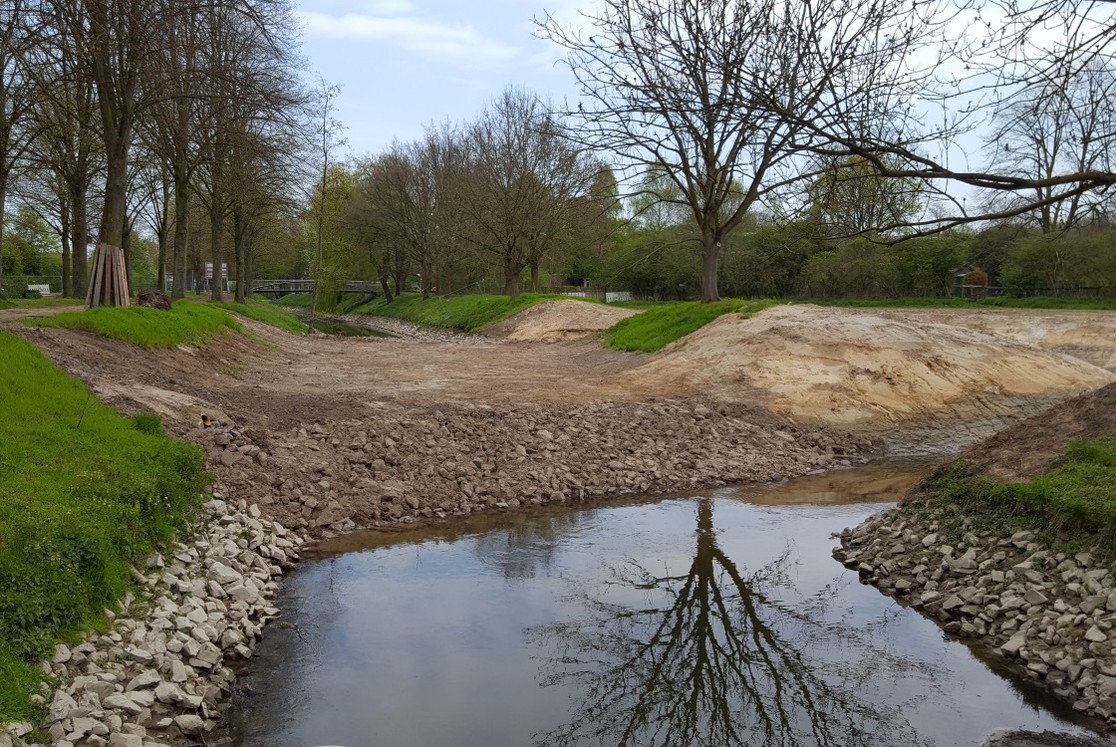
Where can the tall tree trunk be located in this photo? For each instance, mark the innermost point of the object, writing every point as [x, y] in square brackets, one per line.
[3, 195]
[79, 233]
[181, 232]
[216, 232]
[511, 279]
[126, 248]
[164, 238]
[67, 256]
[240, 295]
[383, 275]
[534, 276]
[109, 286]
[710, 253]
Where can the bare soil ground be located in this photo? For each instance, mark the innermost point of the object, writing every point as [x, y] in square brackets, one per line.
[331, 433]
[555, 321]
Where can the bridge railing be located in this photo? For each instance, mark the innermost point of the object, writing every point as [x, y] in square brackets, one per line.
[283, 287]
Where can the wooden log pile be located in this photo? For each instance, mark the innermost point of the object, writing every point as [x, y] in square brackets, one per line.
[108, 285]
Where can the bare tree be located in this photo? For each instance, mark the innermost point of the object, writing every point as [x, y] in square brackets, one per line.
[327, 139]
[114, 39]
[171, 127]
[706, 658]
[1016, 59]
[701, 89]
[1066, 125]
[19, 38]
[523, 183]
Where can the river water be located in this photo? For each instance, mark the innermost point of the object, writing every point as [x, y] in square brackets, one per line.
[716, 619]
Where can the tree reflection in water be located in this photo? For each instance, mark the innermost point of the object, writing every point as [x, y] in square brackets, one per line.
[528, 547]
[712, 661]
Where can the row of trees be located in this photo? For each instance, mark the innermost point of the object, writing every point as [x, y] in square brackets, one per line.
[728, 115]
[770, 260]
[507, 192]
[182, 119]
[742, 105]
[187, 119]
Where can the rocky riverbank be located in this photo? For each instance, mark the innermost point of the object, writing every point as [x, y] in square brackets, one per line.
[1051, 616]
[409, 463]
[162, 674]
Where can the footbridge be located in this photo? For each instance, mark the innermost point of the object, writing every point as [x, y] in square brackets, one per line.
[277, 288]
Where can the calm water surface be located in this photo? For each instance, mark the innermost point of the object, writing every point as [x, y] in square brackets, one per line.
[717, 620]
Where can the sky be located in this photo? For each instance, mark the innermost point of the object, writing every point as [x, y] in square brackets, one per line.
[404, 64]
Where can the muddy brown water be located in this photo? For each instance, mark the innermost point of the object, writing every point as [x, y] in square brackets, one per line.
[714, 619]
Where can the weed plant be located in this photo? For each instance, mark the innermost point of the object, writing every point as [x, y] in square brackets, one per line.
[84, 493]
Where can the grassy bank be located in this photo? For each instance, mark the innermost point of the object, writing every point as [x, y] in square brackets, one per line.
[1074, 505]
[83, 493]
[267, 313]
[465, 313]
[662, 324]
[188, 323]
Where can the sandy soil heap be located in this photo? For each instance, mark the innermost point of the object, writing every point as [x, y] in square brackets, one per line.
[554, 321]
[863, 369]
[1090, 336]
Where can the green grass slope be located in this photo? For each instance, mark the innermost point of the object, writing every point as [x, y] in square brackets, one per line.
[662, 324]
[266, 313]
[188, 322]
[466, 313]
[83, 493]
[1073, 504]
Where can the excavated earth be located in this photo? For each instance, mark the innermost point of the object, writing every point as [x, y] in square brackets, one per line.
[329, 434]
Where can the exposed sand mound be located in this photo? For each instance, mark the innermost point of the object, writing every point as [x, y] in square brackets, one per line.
[554, 321]
[862, 369]
[1088, 335]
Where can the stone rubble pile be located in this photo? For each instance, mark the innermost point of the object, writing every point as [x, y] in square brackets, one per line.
[454, 460]
[161, 675]
[1051, 615]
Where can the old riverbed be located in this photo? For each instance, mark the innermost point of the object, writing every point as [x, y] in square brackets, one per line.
[712, 618]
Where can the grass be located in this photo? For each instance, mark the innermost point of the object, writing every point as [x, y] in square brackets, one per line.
[39, 303]
[1074, 505]
[188, 322]
[662, 324]
[83, 494]
[266, 313]
[469, 313]
[296, 300]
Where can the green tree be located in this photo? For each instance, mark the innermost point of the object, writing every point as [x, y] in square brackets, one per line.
[327, 247]
[851, 198]
[30, 246]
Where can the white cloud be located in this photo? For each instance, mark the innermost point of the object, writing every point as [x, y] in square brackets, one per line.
[412, 34]
[388, 7]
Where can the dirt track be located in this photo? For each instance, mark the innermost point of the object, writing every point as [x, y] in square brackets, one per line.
[336, 432]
